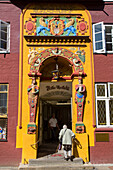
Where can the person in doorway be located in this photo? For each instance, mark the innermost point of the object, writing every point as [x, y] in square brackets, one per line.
[66, 135]
[53, 124]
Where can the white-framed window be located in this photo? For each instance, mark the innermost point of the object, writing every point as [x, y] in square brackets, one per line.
[108, 0]
[104, 104]
[102, 38]
[3, 111]
[4, 37]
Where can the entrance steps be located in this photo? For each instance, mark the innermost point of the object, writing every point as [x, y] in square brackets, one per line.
[55, 162]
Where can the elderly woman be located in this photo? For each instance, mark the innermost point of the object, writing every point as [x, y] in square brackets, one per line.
[66, 135]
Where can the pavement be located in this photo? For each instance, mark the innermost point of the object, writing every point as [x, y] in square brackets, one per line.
[84, 166]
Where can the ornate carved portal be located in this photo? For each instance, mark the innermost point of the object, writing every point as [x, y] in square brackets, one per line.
[36, 60]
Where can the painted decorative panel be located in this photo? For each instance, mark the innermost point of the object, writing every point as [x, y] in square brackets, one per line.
[35, 59]
[56, 26]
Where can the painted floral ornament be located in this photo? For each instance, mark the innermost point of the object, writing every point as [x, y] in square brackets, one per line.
[82, 26]
[30, 26]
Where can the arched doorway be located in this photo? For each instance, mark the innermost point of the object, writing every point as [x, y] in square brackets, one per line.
[55, 97]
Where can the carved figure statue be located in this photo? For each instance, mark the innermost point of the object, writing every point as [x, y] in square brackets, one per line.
[33, 91]
[42, 27]
[69, 26]
[79, 99]
[31, 55]
[81, 54]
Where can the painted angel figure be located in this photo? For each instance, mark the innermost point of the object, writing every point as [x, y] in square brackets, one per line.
[33, 91]
[79, 99]
[31, 55]
[81, 54]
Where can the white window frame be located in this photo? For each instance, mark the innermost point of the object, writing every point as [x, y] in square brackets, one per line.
[106, 99]
[103, 50]
[109, 89]
[101, 97]
[7, 50]
[107, 0]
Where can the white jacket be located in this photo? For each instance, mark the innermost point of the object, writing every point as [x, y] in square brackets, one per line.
[67, 136]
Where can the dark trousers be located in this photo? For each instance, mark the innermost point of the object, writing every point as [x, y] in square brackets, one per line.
[53, 130]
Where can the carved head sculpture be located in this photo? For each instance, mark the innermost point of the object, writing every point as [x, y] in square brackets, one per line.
[80, 80]
[33, 80]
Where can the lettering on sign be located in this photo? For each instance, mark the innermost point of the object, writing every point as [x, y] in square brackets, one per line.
[57, 87]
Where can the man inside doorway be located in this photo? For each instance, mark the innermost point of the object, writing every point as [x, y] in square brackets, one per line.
[53, 124]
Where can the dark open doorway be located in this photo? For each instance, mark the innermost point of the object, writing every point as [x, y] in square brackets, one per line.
[62, 111]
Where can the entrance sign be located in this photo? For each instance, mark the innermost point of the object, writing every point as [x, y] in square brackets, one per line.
[56, 90]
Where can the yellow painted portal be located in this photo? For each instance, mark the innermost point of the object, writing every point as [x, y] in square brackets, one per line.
[55, 32]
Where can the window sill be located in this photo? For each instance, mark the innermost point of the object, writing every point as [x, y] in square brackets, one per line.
[3, 140]
[4, 52]
[107, 129]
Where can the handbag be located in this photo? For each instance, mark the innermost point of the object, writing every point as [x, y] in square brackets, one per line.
[60, 146]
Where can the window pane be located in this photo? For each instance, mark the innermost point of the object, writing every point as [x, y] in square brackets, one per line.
[101, 109]
[3, 27]
[100, 90]
[3, 99]
[3, 35]
[3, 129]
[108, 29]
[4, 96]
[109, 47]
[98, 37]
[99, 45]
[3, 87]
[3, 111]
[3, 103]
[111, 89]
[98, 28]
[1, 96]
[108, 38]
[111, 111]
[3, 44]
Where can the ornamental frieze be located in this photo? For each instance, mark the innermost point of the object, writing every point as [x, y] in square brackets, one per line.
[76, 59]
[56, 26]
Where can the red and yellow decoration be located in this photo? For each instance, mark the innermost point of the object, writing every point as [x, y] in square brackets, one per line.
[56, 26]
[30, 26]
[82, 26]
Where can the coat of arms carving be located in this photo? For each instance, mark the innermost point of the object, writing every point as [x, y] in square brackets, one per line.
[56, 26]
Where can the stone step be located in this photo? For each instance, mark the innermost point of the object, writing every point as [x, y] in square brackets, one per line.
[40, 162]
[58, 167]
[56, 162]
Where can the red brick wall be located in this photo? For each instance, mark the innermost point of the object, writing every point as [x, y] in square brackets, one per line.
[103, 69]
[102, 151]
[103, 66]
[9, 69]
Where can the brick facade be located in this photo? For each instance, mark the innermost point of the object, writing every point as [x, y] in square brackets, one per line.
[9, 69]
[102, 151]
